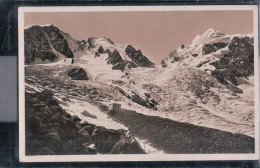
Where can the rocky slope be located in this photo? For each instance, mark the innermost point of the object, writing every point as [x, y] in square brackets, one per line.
[51, 130]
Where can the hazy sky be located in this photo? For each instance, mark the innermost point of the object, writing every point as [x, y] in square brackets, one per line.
[155, 33]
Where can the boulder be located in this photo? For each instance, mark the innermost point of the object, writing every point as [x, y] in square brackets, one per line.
[53, 142]
[75, 119]
[104, 139]
[115, 142]
[127, 145]
[78, 74]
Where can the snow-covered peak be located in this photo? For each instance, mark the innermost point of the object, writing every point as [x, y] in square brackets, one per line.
[207, 35]
[211, 34]
[103, 40]
[46, 25]
[210, 31]
[108, 44]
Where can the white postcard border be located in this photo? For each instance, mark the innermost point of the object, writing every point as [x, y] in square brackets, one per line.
[130, 157]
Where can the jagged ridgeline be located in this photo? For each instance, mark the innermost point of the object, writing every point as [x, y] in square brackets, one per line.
[45, 44]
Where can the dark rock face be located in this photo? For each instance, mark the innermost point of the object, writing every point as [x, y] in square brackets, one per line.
[118, 63]
[101, 50]
[163, 64]
[137, 57]
[96, 54]
[115, 58]
[202, 63]
[82, 44]
[90, 41]
[40, 42]
[105, 139]
[209, 48]
[127, 145]
[50, 130]
[78, 74]
[238, 62]
[115, 142]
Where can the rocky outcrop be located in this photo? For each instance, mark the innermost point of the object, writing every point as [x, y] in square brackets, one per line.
[115, 141]
[238, 62]
[90, 42]
[163, 63]
[50, 130]
[45, 43]
[75, 46]
[78, 74]
[121, 57]
[101, 50]
[143, 101]
[124, 64]
[117, 61]
[209, 48]
[114, 58]
[137, 57]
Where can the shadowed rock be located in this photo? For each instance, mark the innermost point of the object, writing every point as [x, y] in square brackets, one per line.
[41, 41]
[137, 57]
[78, 74]
[238, 62]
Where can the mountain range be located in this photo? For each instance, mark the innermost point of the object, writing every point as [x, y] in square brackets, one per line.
[207, 83]
[49, 44]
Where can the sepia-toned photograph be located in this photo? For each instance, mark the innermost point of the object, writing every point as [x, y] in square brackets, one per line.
[138, 83]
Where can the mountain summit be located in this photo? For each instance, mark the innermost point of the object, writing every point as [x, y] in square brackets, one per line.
[120, 56]
[48, 43]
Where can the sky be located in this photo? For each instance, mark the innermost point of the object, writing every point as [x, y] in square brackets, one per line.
[155, 33]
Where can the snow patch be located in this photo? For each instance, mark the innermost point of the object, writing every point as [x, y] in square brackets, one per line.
[76, 107]
[46, 25]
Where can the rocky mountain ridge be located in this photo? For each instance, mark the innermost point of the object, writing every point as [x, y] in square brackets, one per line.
[225, 57]
[44, 44]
